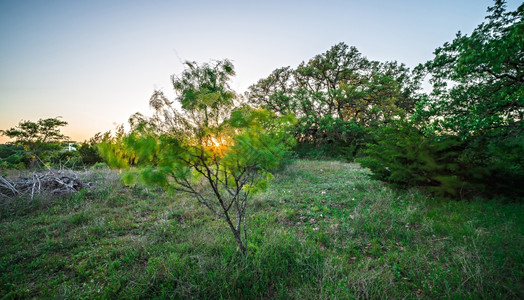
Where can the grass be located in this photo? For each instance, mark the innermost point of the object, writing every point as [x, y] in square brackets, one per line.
[323, 230]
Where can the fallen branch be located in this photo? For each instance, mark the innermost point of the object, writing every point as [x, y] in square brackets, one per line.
[6, 186]
[56, 183]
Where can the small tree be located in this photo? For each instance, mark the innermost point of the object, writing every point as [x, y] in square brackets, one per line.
[38, 138]
[33, 134]
[212, 148]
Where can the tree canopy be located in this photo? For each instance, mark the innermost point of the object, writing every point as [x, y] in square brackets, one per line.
[337, 95]
[466, 136]
[478, 79]
[30, 133]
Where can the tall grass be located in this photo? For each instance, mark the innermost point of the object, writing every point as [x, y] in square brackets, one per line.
[322, 230]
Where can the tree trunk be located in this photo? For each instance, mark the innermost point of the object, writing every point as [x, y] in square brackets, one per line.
[241, 245]
[238, 236]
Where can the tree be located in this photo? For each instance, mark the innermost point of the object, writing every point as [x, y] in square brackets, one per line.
[478, 79]
[211, 147]
[39, 139]
[465, 138]
[33, 134]
[337, 95]
[478, 94]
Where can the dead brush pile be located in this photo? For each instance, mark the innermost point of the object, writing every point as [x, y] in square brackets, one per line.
[52, 182]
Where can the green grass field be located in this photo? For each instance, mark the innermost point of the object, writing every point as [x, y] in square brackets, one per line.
[323, 230]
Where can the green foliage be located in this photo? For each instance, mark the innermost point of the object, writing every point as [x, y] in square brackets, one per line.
[496, 164]
[13, 157]
[210, 148]
[466, 136]
[114, 151]
[52, 155]
[41, 140]
[477, 95]
[478, 79]
[336, 96]
[60, 157]
[88, 150]
[446, 165]
[402, 155]
[322, 230]
[332, 137]
[42, 144]
[35, 134]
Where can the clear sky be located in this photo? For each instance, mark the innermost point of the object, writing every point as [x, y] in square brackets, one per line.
[94, 63]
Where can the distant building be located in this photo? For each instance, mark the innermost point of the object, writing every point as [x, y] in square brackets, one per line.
[70, 147]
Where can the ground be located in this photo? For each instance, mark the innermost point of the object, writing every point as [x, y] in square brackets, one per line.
[322, 230]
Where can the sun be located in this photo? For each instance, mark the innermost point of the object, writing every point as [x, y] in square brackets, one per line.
[215, 142]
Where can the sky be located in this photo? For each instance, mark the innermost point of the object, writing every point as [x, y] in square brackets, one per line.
[94, 63]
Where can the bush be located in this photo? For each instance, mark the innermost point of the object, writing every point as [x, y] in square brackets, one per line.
[446, 165]
[13, 157]
[329, 137]
[88, 150]
[496, 164]
[403, 156]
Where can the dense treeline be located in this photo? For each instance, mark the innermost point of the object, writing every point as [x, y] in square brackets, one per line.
[463, 138]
